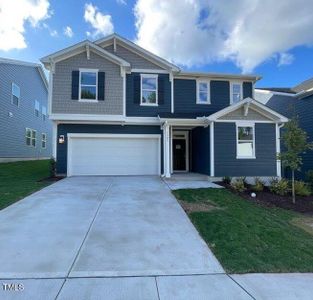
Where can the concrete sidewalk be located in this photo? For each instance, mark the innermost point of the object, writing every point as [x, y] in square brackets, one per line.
[195, 287]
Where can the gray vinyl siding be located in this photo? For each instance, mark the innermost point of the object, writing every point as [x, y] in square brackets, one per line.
[301, 108]
[239, 115]
[64, 129]
[62, 85]
[226, 163]
[12, 133]
[136, 61]
[200, 150]
[135, 109]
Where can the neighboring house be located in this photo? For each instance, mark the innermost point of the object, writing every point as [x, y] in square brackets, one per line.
[121, 110]
[293, 102]
[26, 131]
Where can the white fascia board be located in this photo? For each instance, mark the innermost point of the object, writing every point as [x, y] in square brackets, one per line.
[261, 109]
[137, 49]
[185, 122]
[79, 48]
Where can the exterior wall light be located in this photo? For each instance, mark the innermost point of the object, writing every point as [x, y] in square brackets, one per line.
[61, 139]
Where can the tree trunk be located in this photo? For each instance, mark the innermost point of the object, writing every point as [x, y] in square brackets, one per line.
[293, 188]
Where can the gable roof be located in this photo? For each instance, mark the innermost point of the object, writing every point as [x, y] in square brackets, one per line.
[27, 64]
[113, 38]
[79, 48]
[247, 103]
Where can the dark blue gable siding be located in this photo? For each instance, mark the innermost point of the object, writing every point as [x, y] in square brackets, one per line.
[133, 107]
[200, 154]
[64, 129]
[302, 108]
[226, 163]
[247, 89]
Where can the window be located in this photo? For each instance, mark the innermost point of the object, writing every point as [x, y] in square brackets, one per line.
[149, 89]
[37, 108]
[43, 140]
[245, 142]
[15, 94]
[235, 92]
[44, 113]
[88, 85]
[203, 93]
[30, 137]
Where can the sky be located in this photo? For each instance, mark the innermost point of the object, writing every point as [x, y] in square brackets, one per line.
[273, 39]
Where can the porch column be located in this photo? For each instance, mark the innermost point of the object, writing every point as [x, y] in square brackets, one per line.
[278, 162]
[212, 160]
[167, 151]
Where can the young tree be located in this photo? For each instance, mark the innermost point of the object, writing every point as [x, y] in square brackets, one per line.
[295, 141]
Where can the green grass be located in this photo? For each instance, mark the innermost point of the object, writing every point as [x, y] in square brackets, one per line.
[247, 237]
[19, 179]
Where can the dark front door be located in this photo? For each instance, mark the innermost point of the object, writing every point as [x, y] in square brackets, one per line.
[179, 155]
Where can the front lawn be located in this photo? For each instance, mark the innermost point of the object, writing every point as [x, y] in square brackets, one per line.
[247, 237]
[19, 179]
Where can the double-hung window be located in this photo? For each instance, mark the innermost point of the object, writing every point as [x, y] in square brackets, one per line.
[43, 141]
[37, 108]
[245, 141]
[235, 92]
[44, 113]
[203, 92]
[15, 94]
[88, 82]
[30, 137]
[149, 89]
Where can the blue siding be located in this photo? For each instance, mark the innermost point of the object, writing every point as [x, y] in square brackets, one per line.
[133, 107]
[226, 163]
[64, 129]
[185, 92]
[302, 108]
[12, 133]
[200, 157]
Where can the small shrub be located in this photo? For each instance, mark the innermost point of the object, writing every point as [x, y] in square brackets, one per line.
[302, 189]
[279, 186]
[309, 178]
[258, 185]
[226, 179]
[238, 185]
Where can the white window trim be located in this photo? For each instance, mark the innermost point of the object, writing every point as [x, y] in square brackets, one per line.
[44, 140]
[245, 124]
[157, 89]
[231, 83]
[31, 137]
[18, 102]
[79, 90]
[208, 82]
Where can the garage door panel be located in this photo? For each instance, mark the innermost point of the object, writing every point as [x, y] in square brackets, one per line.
[114, 156]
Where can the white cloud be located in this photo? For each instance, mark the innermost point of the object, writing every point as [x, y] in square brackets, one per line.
[285, 59]
[67, 31]
[121, 2]
[102, 24]
[51, 31]
[247, 32]
[13, 19]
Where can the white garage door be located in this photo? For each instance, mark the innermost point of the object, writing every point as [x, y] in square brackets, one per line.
[113, 154]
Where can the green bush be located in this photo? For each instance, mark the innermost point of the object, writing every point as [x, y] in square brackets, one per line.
[302, 189]
[227, 179]
[52, 167]
[309, 178]
[238, 185]
[258, 185]
[279, 186]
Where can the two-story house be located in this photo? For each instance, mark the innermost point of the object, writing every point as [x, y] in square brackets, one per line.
[26, 131]
[118, 109]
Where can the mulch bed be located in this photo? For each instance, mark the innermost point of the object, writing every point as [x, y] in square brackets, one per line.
[303, 204]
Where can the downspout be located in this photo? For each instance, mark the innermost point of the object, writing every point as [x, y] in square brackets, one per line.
[278, 161]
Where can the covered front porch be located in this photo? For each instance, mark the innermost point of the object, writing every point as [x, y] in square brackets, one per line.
[187, 148]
